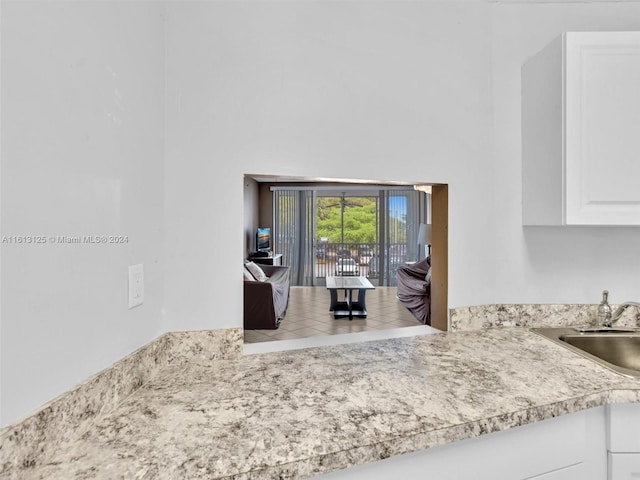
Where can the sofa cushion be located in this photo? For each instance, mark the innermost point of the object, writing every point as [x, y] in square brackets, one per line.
[247, 274]
[257, 272]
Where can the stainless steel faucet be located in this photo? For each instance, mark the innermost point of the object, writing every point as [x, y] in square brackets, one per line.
[620, 310]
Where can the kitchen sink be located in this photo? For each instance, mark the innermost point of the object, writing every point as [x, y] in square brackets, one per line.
[615, 348]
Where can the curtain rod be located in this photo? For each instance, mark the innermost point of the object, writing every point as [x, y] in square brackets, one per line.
[338, 188]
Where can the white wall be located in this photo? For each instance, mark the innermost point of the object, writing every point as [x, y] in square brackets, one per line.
[82, 154]
[424, 91]
[251, 218]
[374, 90]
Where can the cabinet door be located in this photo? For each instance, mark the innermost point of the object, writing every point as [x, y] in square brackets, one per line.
[602, 121]
[624, 466]
[580, 124]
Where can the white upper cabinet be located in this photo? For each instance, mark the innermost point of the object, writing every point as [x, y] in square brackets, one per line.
[581, 131]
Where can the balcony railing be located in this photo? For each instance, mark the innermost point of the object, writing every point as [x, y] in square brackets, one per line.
[366, 256]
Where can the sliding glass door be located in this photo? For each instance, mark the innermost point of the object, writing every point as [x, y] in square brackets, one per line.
[318, 229]
[405, 211]
[346, 233]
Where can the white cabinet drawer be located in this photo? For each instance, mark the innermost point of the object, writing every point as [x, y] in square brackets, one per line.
[623, 428]
[624, 466]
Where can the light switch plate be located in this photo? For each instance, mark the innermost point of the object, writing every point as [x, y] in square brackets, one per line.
[136, 285]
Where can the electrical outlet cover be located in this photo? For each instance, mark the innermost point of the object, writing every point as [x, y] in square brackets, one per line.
[136, 285]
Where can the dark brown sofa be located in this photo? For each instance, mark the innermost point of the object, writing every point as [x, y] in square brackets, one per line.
[265, 303]
[414, 289]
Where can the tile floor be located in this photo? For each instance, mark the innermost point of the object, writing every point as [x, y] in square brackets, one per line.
[308, 316]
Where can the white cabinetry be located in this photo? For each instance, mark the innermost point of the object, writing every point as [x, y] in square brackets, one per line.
[568, 447]
[624, 466]
[623, 441]
[581, 131]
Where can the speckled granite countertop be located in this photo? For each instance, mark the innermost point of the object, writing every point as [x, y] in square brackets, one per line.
[298, 413]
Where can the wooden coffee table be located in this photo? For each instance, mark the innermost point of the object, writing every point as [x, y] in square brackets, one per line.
[348, 307]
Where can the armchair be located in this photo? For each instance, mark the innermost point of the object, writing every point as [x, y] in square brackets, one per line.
[414, 289]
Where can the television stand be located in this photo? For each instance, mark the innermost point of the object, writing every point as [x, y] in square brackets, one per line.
[273, 259]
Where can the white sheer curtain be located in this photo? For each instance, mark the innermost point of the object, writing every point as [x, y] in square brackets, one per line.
[294, 233]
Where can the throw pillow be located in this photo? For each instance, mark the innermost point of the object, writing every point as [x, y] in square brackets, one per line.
[427, 277]
[257, 272]
[247, 274]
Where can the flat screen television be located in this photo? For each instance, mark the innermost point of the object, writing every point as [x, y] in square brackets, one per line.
[263, 239]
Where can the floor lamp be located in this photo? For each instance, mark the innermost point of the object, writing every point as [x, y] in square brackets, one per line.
[424, 237]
